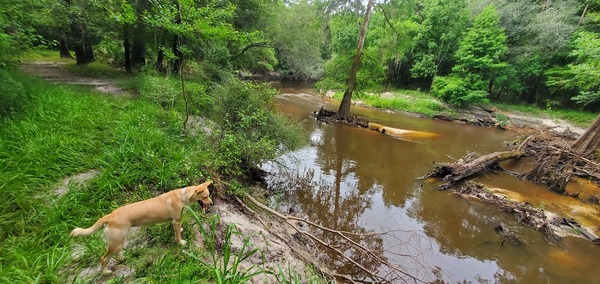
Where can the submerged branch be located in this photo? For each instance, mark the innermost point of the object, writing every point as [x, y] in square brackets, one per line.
[344, 235]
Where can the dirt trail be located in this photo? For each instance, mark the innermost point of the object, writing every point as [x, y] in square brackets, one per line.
[56, 72]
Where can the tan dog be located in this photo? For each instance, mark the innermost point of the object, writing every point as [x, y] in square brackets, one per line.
[167, 206]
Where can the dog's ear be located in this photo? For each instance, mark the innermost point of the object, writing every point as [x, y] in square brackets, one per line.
[190, 192]
[206, 184]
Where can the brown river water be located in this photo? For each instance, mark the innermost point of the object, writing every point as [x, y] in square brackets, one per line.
[359, 180]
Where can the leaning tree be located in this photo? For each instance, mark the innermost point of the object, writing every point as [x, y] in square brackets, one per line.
[589, 142]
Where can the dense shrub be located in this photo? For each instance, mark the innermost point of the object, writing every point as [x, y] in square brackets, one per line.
[251, 129]
[457, 91]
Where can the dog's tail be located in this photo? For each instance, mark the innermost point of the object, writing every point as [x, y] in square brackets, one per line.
[86, 232]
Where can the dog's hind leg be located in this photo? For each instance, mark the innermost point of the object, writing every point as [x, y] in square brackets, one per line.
[115, 234]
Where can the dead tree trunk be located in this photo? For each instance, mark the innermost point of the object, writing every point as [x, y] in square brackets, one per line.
[453, 173]
[589, 142]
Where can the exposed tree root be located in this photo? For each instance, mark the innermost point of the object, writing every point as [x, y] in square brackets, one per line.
[525, 212]
[324, 115]
[556, 163]
[394, 274]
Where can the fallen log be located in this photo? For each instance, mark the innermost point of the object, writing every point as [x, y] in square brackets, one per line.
[453, 173]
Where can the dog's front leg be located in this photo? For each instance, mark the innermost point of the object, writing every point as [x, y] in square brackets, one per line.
[177, 228]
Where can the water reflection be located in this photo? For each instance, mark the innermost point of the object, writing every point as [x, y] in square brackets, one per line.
[363, 181]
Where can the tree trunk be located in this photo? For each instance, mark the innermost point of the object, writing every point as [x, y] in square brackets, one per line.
[499, 93]
[84, 53]
[159, 61]
[64, 47]
[490, 86]
[126, 48]
[138, 49]
[589, 142]
[344, 109]
[176, 63]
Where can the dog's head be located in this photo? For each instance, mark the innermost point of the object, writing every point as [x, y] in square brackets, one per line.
[201, 193]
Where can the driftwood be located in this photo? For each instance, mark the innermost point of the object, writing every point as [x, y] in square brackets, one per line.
[556, 163]
[395, 273]
[454, 173]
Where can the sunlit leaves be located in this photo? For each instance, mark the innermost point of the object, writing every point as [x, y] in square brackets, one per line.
[584, 73]
[186, 18]
[479, 61]
[443, 24]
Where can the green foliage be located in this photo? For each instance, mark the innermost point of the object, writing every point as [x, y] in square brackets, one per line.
[111, 52]
[538, 36]
[457, 91]
[393, 27]
[251, 129]
[95, 69]
[18, 19]
[425, 106]
[370, 75]
[583, 75]
[478, 62]
[586, 69]
[297, 37]
[502, 119]
[580, 118]
[482, 48]
[441, 29]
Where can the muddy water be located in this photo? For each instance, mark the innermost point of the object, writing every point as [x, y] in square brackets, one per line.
[363, 181]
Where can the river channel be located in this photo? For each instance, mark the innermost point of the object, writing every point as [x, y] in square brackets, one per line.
[354, 179]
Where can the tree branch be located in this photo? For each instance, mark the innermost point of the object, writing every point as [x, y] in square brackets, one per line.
[252, 45]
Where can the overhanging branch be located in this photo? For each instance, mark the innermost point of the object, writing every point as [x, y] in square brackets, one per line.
[252, 45]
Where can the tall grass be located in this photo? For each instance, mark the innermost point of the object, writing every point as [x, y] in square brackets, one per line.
[135, 145]
[61, 131]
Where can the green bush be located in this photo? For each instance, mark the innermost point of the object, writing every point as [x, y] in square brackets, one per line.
[457, 91]
[251, 129]
[111, 52]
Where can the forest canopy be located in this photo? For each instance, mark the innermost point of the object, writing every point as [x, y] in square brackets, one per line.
[466, 52]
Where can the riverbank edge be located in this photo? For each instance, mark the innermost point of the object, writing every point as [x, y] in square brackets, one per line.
[482, 116]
